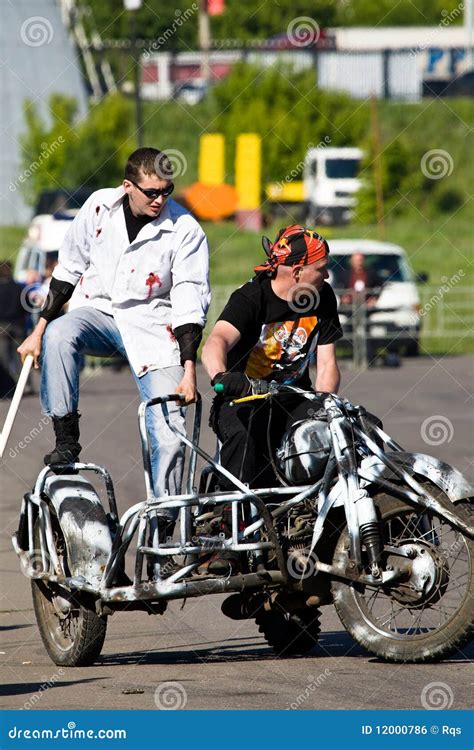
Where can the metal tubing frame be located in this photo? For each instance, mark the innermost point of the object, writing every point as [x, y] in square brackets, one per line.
[137, 515]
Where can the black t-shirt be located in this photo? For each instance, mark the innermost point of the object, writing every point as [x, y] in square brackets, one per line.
[278, 340]
[134, 223]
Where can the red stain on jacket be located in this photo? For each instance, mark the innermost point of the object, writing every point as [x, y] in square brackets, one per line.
[152, 279]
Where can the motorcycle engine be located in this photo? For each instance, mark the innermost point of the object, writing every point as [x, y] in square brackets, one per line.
[304, 451]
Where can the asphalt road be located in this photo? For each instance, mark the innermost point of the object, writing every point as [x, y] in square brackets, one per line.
[216, 662]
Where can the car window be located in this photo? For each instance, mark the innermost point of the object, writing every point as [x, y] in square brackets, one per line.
[384, 268]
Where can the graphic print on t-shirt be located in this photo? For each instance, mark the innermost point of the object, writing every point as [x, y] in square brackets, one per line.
[283, 349]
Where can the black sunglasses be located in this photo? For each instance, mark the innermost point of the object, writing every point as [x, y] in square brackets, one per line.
[152, 194]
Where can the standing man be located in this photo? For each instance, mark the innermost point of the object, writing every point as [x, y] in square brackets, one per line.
[138, 265]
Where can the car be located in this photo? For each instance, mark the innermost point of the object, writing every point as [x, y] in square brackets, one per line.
[41, 245]
[192, 92]
[392, 306]
[61, 201]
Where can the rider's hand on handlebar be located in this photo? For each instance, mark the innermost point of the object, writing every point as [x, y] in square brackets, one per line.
[236, 384]
[188, 387]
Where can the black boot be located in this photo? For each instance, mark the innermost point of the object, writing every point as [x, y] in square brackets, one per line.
[67, 448]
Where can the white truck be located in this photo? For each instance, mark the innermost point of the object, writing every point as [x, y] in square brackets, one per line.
[331, 182]
[327, 193]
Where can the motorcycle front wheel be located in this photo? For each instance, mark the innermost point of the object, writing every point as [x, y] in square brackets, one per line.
[428, 616]
[71, 631]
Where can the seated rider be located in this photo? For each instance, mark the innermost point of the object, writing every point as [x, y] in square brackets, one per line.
[272, 328]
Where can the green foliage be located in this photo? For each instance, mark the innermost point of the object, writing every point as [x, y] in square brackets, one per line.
[402, 179]
[44, 150]
[112, 21]
[69, 154]
[251, 19]
[402, 13]
[448, 199]
[290, 114]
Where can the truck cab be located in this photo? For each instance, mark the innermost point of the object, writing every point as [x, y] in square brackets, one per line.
[331, 183]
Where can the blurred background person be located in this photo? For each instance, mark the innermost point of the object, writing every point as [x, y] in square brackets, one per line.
[358, 278]
[12, 329]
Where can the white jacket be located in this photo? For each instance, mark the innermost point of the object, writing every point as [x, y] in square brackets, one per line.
[151, 286]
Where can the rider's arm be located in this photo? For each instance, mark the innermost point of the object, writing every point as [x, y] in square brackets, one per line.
[328, 376]
[223, 338]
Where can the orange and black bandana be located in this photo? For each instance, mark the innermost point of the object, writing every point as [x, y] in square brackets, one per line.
[294, 246]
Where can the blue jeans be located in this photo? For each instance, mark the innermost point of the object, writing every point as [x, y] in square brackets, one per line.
[89, 331]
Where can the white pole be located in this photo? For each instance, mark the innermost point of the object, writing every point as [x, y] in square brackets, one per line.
[5, 434]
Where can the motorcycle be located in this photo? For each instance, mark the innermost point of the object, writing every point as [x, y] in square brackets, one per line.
[355, 521]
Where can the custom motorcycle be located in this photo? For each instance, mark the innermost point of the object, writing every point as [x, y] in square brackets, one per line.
[354, 521]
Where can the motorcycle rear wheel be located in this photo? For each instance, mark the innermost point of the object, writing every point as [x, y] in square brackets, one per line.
[71, 638]
[390, 622]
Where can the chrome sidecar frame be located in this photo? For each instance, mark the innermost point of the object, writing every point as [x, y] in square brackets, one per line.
[96, 541]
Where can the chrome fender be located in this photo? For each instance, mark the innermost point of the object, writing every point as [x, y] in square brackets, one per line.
[83, 523]
[441, 474]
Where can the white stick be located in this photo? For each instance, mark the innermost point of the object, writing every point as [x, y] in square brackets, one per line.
[20, 387]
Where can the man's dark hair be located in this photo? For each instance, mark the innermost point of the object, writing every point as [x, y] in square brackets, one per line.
[148, 161]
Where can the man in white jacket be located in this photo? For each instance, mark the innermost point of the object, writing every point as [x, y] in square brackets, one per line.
[135, 265]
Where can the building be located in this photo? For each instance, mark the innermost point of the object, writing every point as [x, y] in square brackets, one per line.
[38, 60]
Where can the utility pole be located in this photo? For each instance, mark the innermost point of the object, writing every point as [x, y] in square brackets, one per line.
[133, 6]
[377, 164]
[204, 40]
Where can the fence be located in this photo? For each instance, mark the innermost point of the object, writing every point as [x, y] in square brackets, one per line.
[402, 74]
[446, 320]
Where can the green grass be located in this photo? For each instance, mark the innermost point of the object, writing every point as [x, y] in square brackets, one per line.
[10, 240]
[440, 248]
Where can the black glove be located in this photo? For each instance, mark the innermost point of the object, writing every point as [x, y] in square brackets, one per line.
[236, 384]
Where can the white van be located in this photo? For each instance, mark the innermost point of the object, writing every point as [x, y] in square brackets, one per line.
[331, 183]
[393, 317]
[41, 244]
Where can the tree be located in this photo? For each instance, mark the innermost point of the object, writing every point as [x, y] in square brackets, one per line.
[68, 154]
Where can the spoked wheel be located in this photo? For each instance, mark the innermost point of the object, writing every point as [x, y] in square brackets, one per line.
[427, 615]
[290, 633]
[71, 631]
